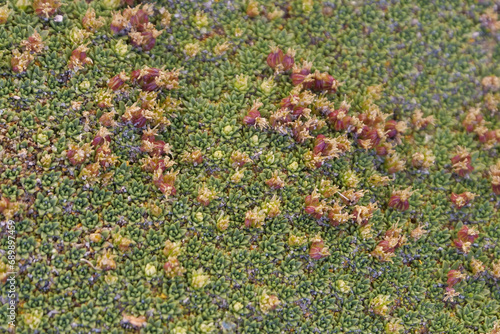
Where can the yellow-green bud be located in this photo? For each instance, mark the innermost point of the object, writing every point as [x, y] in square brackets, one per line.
[110, 279]
[150, 270]
[293, 166]
[179, 330]
[111, 4]
[33, 319]
[237, 306]
[207, 327]
[23, 4]
[343, 286]
[218, 155]
[199, 280]
[121, 48]
[84, 85]
[241, 83]
[227, 130]
[267, 85]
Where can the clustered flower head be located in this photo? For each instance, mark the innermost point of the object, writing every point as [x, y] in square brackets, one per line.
[337, 213]
[326, 149]
[122, 243]
[317, 81]
[294, 117]
[150, 78]
[106, 261]
[199, 279]
[418, 232]
[338, 118]
[194, 157]
[78, 154]
[275, 182]
[466, 236]
[164, 181]
[90, 22]
[253, 117]
[79, 58]
[362, 214]
[474, 122]
[173, 267]
[462, 162]
[206, 195]
[400, 199]
[314, 206]
[135, 22]
[318, 249]
[279, 61]
[393, 239]
[30, 48]
[495, 178]
[423, 159]
[461, 200]
[255, 218]
[46, 8]
[477, 266]
[419, 122]
[454, 277]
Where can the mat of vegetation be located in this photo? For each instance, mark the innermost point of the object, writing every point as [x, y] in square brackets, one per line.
[250, 166]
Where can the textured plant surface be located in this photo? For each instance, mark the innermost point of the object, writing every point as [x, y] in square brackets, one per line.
[251, 167]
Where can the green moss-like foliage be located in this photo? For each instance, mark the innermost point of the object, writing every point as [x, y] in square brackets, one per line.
[168, 170]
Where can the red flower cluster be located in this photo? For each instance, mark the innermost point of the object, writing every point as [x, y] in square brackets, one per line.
[317, 81]
[253, 117]
[461, 162]
[279, 61]
[328, 148]
[135, 21]
[152, 145]
[79, 58]
[454, 277]
[400, 199]
[30, 47]
[461, 200]
[118, 81]
[466, 237]
[336, 213]
[46, 8]
[295, 105]
[475, 122]
[314, 207]
[158, 162]
[150, 78]
[339, 119]
[78, 154]
[102, 136]
[393, 239]
[318, 249]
